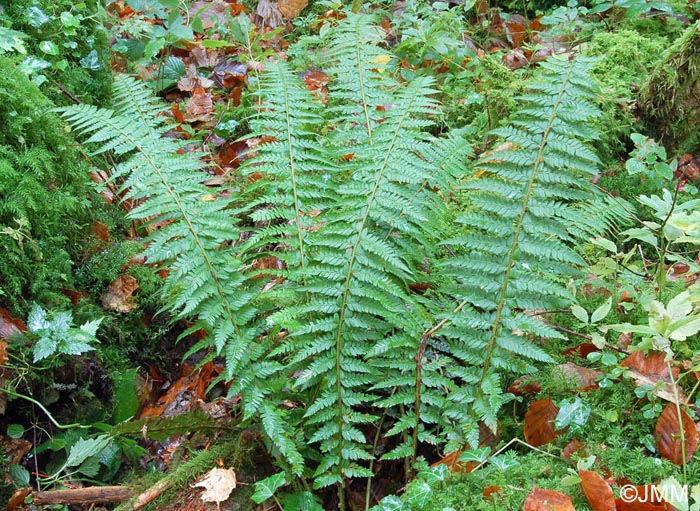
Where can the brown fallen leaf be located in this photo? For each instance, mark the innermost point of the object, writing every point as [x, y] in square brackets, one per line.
[651, 370]
[119, 294]
[10, 326]
[268, 13]
[668, 435]
[598, 493]
[291, 8]
[541, 499]
[539, 422]
[17, 499]
[218, 484]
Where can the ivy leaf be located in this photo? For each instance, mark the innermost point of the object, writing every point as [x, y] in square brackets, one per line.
[573, 413]
[267, 487]
[419, 494]
[49, 47]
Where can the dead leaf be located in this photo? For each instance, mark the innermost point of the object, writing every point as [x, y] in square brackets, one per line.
[100, 230]
[15, 448]
[119, 294]
[668, 435]
[10, 326]
[212, 14]
[651, 370]
[3, 352]
[268, 13]
[451, 461]
[218, 484]
[541, 499]
[598, 493]
[17, 499]
[539, 422]
[200, 107]
[291, 8]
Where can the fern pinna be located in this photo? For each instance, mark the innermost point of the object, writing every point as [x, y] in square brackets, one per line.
[332, 350]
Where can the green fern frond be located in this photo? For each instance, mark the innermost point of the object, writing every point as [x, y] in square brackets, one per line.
[529, 204]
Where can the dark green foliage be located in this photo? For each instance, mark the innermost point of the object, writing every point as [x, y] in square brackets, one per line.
[44, 194]
[67, 47]
[348, 198]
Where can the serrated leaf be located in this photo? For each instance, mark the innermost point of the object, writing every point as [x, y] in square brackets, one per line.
[267, 487]
[44, 347]
[90, 467]
[15, 430]
[84, 448]
[19, 475]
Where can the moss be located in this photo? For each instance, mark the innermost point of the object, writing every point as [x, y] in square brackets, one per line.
[668, 100]
[626, 58]
[45, 194]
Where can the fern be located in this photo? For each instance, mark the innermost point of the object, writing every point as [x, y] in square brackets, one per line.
[529, 203]
[333, 343]
[206, 280]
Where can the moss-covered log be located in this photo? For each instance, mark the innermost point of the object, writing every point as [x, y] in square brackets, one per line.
[669, 101]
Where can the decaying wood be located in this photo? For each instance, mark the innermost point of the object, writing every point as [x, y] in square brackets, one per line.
[84, 495]
[152, 493]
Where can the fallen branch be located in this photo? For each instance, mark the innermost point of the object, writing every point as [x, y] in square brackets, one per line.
[84, 495]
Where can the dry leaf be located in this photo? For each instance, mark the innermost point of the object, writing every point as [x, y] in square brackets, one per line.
[598, 493]
[212, 14]
[267, 13]
[451, 461]
[651, 370]
[584, 377]
[119, 294]
[541, 499]
[218, 484]
[291, 8]
[17, 499]
[539, 422]
[668, 435]
[10, 326]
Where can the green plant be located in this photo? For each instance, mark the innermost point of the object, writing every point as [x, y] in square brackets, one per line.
[57, 335]
[332, 348]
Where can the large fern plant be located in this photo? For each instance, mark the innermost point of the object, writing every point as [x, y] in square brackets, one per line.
[334, 349]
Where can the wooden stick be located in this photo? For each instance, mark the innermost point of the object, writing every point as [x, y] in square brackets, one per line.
[84, 495]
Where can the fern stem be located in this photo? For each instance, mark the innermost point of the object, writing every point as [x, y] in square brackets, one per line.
[293, 170]
[347, 286]
[498, 319]
[361, 81]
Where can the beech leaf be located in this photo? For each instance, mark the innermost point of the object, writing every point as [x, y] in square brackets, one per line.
[669, 431]
[598, 493]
